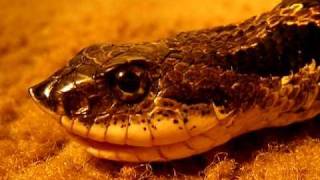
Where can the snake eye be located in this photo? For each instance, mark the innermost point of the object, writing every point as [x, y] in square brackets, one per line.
[130, 83]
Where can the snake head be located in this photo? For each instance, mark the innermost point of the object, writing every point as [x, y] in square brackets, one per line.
[100, 80]
[139, 96]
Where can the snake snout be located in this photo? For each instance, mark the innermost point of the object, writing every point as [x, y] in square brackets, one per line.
[64, 92]
[41, 93]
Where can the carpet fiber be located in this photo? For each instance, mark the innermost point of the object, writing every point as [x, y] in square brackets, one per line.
[38, 37]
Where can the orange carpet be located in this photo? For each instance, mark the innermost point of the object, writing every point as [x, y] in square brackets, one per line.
[38, 37]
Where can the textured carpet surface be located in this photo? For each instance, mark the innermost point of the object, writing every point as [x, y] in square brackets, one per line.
[38, 37]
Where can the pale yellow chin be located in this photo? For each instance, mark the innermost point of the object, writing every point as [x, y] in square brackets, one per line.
[103, 149]
[253, 119]
[141, 142]
[161, 126]
[128, 153]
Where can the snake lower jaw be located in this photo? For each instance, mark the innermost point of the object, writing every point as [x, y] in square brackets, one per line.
[126, 153]
[114, 146]
[240, 123]
[161, 126]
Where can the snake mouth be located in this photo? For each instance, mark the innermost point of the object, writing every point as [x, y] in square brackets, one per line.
[254, 119]
[126, 153]
[142, 145]
[160, 126]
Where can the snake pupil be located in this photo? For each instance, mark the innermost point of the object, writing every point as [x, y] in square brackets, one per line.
[128, 81]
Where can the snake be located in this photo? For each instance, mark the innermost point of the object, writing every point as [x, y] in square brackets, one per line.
[184, 95]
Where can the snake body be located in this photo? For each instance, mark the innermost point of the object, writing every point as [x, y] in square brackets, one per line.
[181, 96]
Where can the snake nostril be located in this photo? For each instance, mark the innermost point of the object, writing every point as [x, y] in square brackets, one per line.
[75, 103]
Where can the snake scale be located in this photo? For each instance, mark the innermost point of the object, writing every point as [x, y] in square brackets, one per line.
[184, 95]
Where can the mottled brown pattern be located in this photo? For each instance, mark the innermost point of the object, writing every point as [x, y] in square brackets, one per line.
[230, 66]
[221, 79]
[38, 36]
[273, 43]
